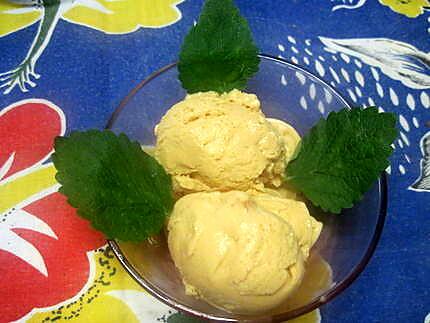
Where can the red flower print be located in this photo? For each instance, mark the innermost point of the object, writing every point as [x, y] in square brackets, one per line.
[43, 243]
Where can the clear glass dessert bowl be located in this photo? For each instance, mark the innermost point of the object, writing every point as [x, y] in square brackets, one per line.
[348, 240]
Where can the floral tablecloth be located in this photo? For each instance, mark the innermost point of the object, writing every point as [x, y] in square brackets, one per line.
[67, 64]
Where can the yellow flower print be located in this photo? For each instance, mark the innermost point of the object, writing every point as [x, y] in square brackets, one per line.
[109, 16]
[119, 17]
[110, 296]
[409, 8]
[13, 18]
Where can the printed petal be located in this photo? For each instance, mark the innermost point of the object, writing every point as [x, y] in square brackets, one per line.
[13, 18]
[27, 131]
[411, 8]
[120, 17]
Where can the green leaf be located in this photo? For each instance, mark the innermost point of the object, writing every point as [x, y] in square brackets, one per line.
[182, 318]
[218, 54]
[342, 156]
[112, 182]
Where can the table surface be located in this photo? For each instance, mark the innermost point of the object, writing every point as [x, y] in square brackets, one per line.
[90, 53]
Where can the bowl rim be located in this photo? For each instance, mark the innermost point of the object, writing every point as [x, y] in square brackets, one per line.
[317, 302]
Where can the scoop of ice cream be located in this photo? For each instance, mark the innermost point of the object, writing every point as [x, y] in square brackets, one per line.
[233, 253]
[285, 191]
[289, 137]
[306, 228]
[211, 142]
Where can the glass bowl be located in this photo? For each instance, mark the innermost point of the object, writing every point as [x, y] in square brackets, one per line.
[347, 242]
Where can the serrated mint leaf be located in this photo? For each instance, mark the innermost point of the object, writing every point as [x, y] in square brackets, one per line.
[112, 182]
[218, 54]
[342, 156]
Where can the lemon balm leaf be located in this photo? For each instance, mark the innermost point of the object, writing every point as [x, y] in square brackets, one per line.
[120, 189]
[342, 156]
[218, 53]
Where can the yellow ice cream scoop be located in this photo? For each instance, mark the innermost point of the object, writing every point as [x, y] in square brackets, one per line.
[222, 142]
[289, 137]
[233, 253]
[305, 227]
